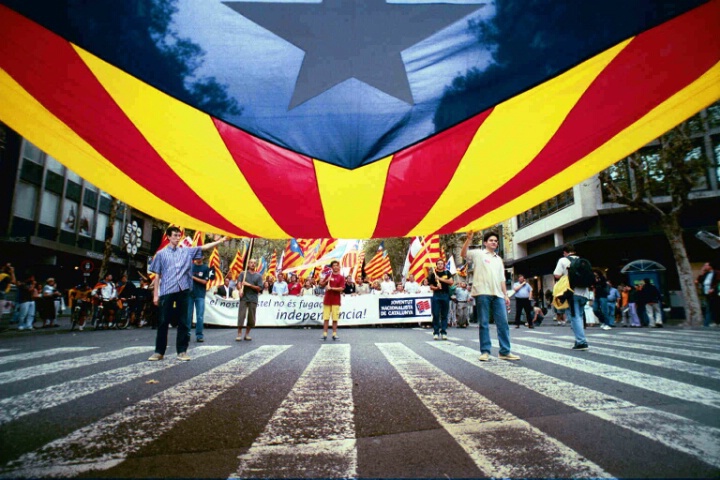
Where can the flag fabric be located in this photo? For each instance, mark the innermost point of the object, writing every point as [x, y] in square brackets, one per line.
[425, 258]
[379, 265]
[357, 270]
[214, 265]
[450, 265]
[262, 267]
[272, 268]
[450, 89]
[198, 239]
[293, 254]
[462, 270]
[236, 266]
[414, 248]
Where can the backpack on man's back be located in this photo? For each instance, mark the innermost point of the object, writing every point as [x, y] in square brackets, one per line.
[580, 272]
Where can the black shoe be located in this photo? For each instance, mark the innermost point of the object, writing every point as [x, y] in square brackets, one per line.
[582, 346]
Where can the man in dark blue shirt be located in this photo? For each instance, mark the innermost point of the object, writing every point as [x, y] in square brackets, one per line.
[201, 273]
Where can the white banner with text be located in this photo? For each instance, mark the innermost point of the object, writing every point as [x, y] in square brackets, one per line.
[290, 311]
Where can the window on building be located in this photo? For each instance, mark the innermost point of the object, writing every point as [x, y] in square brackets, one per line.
[548, 207]
[49, 209]
[86, 221]
[32, 153]
[117, 233]
[102, 224]
[69, 216]
[26, 199]
[716, 150]
[55, 166]
[713, 115]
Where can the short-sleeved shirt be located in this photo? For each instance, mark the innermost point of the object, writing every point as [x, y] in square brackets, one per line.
[250, 295]
[444, 287]
[331, 297]
[412, 287]
[203, 272]
[280, 288]
[174, 265]
[523, 292]
[488, 273]
[562, 268]
[294, 288]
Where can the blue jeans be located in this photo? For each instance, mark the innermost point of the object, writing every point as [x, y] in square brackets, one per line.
[610, 312]
[491, 305]
[26, 317]
[198, 303]
[440, 308]
[600, 310]
[174, 305]
[576, 319]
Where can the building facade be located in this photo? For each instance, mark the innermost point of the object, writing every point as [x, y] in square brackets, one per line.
[54, 223]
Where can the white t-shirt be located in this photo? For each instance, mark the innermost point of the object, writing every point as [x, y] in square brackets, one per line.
[562, 269]
[488, 273]
[412, 287]
[386, 288]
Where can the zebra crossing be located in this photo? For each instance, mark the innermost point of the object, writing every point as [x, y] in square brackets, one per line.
[644, 388]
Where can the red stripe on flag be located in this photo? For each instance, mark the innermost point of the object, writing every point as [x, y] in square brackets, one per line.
[653, 66]
[275, 175]
[52, 72]
[425, 170]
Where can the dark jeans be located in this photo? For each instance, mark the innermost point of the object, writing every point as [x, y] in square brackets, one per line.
[174, 306]
[520, 305]
[440, 309]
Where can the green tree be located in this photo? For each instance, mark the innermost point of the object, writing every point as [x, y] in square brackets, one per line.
[672, 168]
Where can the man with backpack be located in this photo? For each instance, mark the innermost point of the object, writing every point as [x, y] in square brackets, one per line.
[581, 277]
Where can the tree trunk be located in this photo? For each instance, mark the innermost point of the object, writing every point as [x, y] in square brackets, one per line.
[673, 232]
[109, 233]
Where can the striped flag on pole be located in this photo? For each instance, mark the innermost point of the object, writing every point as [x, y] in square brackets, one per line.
[214, 265]
[379, 265]
[272, 268]
[198, 239]
[236, 266]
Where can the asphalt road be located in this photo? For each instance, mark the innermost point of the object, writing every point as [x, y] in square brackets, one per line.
[379, 402]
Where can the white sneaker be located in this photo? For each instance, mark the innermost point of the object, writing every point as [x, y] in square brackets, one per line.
[444, 337]
[606, 327]
[435, 337]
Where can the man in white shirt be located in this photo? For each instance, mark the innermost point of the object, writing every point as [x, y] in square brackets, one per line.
[387, 287]
[490, 294]
[280, 287]
[411, 286]
[579, 298]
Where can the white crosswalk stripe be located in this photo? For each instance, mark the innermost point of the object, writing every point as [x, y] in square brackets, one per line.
[12, 408]
[64, 365]
[105, 443]
[20, 357]
[678, 365]
[5, 350]
[312, 433]
[676, 432]
[687, 342]
[671, 388]
[632, 343]
[474, 421]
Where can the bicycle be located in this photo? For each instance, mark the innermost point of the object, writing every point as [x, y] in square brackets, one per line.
[79, 314]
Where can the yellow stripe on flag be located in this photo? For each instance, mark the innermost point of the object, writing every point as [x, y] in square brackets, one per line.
[514, 133]
[337, 185]
[184, 137]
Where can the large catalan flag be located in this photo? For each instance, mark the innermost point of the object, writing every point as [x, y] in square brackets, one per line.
[372, 118]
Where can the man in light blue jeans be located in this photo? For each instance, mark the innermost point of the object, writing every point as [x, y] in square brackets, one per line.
[490, 293]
